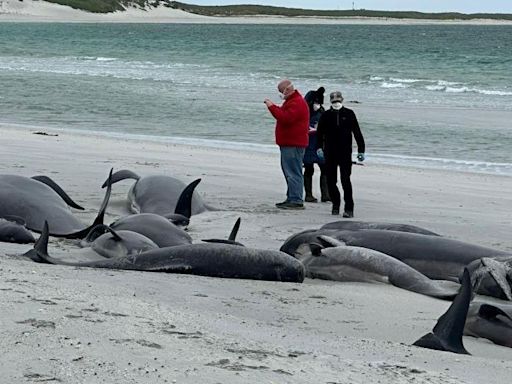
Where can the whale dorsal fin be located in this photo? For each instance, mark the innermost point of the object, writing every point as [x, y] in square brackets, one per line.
[447, 333]
[121, 175]
[96, 232]
[39, 252]
[232, 236]
[114, 234]
[53, 185]
[234, 231]
[184, 204]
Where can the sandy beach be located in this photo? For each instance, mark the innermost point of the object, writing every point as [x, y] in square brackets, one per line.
[40, 11]
[72, 325]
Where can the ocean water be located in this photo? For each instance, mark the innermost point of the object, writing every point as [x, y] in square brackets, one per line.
[436, 96]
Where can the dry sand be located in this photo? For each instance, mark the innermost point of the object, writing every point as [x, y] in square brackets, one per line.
[41, 11]
[71, 325]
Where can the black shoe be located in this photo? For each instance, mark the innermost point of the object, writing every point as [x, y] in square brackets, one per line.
[278, 205]
[325, 199]
[348, 214]
[335, 211]
[289, 205]
[311, 199]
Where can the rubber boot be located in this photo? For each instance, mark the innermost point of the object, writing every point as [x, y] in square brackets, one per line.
[323, 189]
[308, 187]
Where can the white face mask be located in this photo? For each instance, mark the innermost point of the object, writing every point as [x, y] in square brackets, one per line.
[316, 107]
[337, 105]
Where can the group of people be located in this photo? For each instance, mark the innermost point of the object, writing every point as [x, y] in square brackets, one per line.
[306, 134]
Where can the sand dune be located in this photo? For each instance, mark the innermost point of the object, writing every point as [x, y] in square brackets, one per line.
[41, 11]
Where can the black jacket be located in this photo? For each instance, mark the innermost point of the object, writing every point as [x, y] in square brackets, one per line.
[334, 134]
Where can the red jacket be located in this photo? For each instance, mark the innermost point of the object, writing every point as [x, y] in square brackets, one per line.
[292, 121]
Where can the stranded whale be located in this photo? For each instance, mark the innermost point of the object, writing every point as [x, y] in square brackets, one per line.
[13, 230]
[158, 194]
[347, 263]
[35, 202]
[205, 259]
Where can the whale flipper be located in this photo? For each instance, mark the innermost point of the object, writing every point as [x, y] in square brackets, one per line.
[447, 333]
[53, 185]
[99, 218]
[94, 233]
[15, 219]
[121, 175]
[489, 311]
[328, 242]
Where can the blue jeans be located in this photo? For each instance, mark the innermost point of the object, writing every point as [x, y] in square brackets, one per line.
[291, 164]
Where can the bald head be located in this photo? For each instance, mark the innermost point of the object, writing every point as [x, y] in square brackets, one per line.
[285, 87]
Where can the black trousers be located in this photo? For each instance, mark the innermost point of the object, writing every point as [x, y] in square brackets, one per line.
[345, 169]
[309, 169]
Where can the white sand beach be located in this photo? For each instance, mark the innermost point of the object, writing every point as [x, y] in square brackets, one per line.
[72, 325]
[41, 11]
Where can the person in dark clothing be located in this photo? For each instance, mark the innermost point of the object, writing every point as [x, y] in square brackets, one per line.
[315, 100]
[334, 142]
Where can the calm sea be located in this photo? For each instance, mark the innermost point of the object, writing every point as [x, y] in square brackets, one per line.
[435, 96]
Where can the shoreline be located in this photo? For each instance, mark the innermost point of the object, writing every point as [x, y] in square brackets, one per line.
[391, 160]
[36, 11]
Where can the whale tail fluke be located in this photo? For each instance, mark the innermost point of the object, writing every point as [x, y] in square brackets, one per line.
[53, 185]
[121, 175]
[447, 333]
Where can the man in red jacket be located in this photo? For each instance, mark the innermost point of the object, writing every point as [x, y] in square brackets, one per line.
[292, 130]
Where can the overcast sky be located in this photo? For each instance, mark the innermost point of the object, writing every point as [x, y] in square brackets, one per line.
[465, 6]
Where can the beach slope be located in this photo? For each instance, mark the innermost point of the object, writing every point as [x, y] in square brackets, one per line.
[76, 325]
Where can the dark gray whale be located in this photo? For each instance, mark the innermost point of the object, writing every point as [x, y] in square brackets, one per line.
[435, 256]
[349, 225]
[13, 230]
[347, 263]
[205, 259]
[490, 320]
[156, 227]
[108, 243]
[158, 194]
[35, 202]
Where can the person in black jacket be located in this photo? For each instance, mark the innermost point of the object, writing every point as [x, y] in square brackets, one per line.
[334, 142]
[315, 100]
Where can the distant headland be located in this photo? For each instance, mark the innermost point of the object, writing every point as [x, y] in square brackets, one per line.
[174, 11]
